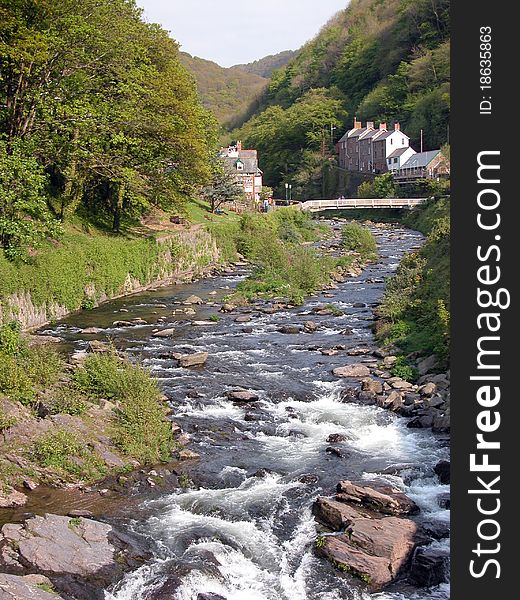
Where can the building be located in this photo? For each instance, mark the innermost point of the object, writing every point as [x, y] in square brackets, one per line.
[366, 149]
[244, 163]
[398, 158]
[424, 165]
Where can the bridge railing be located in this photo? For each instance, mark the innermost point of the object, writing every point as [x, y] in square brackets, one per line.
[350, 203]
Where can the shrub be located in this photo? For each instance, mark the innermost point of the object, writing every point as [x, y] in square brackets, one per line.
[405, 370]
[42, 365]
[14, 381]
[358, 239]
[6, 422]
[141, 429]
[67, 401]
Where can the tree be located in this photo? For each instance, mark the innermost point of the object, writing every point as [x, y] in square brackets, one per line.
[223, 188]
[24, 217]
[383, 186]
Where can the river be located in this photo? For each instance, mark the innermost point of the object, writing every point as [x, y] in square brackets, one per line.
[243, 527]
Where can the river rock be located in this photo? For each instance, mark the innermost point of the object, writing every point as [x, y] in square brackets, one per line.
[193, 300]
[382, 498]
[290, 329]
[336, 438]
[164, 333]
[188, 455]
[242, 396]
[228, 308]
[10, 498]
[443, 471]
[427, 364]
[429, 567]
[441, 424]
[192, 360]
[389, 361]
[30, 587]
[400, 384]
[81, 556]
[91, 331]
[243, 319]
[335, 515]
[372, 385]
[428, 389]
[123, 324]
[95, 346]
[310, 327]
[356, 371]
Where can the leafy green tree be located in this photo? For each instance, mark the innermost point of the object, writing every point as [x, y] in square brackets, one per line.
[383, 186]
[223, 187]
[24, 217]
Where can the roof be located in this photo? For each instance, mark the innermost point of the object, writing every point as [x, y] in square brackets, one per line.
[421, 159]
[373, 133]
[399, 152]
[249, 158]
[387, 134]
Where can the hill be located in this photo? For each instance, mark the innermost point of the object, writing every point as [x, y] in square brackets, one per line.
[227, 92]
[266, 66]
[381, 61]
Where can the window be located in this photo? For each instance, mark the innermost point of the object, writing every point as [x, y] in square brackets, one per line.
[391, 141]
[403, 141]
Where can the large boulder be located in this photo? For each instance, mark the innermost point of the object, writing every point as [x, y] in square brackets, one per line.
[376, 550]
[381, 498]
[31, 587]
[443, 471]
[80, 556]
[242, 396]
[358, 371]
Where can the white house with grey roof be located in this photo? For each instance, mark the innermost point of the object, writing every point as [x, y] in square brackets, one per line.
[244, 164]
[424, 165]
[398, 158]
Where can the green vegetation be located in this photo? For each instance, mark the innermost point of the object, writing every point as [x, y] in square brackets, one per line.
[356, 238]
[415, 311]
[98, 118]
[140, 428]
[66, 455]
[404, 370]
[383, 186]
[266, 66]
[382, 61]
[226, 92]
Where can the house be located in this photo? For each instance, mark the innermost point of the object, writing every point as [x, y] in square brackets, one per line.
[366, 149]
[398, 158]
[244, 163]
[424, 165]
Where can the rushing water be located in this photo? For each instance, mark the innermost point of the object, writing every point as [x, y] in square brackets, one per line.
[244, 529]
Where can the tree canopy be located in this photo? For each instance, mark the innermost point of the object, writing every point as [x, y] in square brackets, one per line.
[96, 105]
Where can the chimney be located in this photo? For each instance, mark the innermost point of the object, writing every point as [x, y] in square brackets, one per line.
[382, 126]
[397, 126]
[357, 124]
[370, 124]
[239, 145]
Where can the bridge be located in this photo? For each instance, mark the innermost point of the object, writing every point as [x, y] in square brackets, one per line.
[352, 203]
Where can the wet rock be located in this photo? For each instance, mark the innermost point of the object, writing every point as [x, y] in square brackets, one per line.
[336, 438]
[192, 360]
[356, 371]
[372, 385]
[349, 395]
[193, 300]
[329, 351]
[367, 398]
[310, 327]
[444, 500]
[91, 331]
[81, 555]
[335, 452]
[400, 384]
[382, 498]
[247, 330]
[309, 479]
[242, 396]
[359, 305]
[335, 515]
[228, 308]
[123, 324]
[429, 568]
[86, 514]
[347, 331]
[243, 319]
[436, 529]
[290, 329]
[421, 422]
[441, 424]
[30, 587]
[209, 596]
[165, 333]
[29, 484]
[443, 471]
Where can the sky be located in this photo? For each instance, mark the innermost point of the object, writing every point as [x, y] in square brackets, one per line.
[231, 32]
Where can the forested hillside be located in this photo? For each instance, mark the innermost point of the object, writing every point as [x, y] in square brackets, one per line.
[227, 93]
[267, 65]
[98, 118]
[381, 61]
